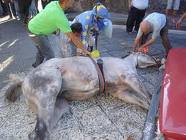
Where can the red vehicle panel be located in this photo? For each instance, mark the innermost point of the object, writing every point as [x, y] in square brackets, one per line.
[173, 96]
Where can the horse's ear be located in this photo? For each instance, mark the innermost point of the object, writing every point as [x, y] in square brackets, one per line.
[128, 53]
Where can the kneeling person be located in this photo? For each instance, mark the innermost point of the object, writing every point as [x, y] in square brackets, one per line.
[93, 22]
[68, 49]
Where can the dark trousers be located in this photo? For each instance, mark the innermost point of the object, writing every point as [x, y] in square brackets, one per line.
[44, 50]
[8, 8]
[12, 9]
[164, 38]
[134, 18]
[44, 3]
[24, 9]
[4, 8]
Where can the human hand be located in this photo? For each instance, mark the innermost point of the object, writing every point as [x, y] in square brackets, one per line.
[86, 53]
[143, 49]
[178, 24]
[134, 49]
[83, 52]
[79, 52]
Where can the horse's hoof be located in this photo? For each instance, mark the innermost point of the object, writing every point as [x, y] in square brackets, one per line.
[32, 135]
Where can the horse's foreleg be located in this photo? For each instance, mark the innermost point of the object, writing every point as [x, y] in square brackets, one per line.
[131, 97]
[136, 85]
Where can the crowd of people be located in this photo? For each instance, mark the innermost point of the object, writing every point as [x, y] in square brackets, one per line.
[84, 29]
[21, 9]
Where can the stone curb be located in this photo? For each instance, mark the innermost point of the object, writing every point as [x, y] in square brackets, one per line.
[179, 32]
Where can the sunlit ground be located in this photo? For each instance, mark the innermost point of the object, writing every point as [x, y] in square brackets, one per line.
[9, 60]
[6, 63]
[7, 18]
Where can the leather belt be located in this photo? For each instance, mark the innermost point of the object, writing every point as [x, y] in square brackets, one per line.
[100, 76]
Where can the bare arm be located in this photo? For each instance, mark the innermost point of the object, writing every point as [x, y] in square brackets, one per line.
[77, 42]
[148, 43]
[136, 43]
[178, 24]
[137, 40]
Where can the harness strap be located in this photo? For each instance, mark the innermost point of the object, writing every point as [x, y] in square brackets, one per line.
[100, 76]
[158, 63]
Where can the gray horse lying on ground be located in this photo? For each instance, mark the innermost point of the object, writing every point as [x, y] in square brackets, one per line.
[75, 78]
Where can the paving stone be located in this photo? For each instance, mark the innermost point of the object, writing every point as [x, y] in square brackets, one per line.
[67, 129]
[83, 105]
[105, 54]
[129, 120]
[96, 124]
[93, 117]
[16, 121]
[108, 103]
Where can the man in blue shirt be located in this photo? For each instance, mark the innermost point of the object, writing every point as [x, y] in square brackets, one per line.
[92, 22]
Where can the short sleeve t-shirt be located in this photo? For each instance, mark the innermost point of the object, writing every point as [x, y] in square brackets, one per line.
[140, 4]
[49, 20]
[158, 21]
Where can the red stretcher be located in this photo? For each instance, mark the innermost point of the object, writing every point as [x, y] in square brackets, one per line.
[173, 96]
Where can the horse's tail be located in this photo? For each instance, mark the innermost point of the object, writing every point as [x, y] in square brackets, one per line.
[13, 89]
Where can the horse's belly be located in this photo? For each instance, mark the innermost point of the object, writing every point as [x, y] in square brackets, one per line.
[79, 85]
[80, 95]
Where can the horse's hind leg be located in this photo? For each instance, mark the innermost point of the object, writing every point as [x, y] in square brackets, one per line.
[45, 108]
[48, 116]
[44, 98]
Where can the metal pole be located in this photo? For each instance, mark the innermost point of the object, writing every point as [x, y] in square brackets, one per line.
[150, 123]
[96, 39]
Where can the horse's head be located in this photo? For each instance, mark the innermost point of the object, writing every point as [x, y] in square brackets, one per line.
[143, 60]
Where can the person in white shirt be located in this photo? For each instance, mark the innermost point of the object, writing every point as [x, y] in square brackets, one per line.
[172, 8]
[156, 24]
[136, 14]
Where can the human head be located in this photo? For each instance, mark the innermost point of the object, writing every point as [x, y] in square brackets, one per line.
[100, 11]
[76, 28]
[65, 4]
[145, 27]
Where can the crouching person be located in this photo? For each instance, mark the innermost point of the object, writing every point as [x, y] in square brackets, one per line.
[156, 24]
[49, 20]
[68, 49]
[93, 22]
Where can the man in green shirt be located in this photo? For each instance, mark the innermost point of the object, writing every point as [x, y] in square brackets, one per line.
[49, 20]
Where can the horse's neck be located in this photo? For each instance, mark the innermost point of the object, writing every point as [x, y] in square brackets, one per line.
[131, 59]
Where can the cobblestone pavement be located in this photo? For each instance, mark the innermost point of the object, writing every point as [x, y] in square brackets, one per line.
[99, 118]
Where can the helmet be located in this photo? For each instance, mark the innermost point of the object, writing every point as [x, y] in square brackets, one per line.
[100, 11]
